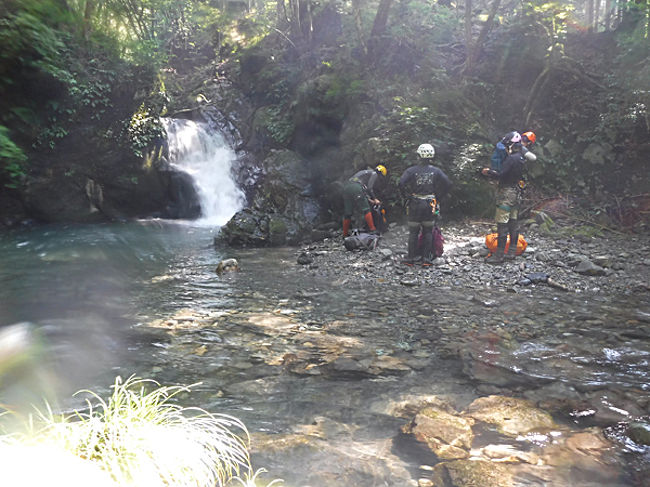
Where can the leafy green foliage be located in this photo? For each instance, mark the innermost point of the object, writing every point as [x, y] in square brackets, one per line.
[29, 43]
[94, 92]
[12, 167]
[425, 23]
[278, 124]
[404, 88]
[143, 130]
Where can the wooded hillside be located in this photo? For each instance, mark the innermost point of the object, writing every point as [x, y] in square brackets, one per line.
[342, 84]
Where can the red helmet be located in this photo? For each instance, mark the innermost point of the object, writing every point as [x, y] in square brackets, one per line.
[530, 136]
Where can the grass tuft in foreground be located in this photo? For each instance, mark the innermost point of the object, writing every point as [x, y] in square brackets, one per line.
[138, 437]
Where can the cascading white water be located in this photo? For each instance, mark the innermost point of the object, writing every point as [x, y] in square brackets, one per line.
[205, 155]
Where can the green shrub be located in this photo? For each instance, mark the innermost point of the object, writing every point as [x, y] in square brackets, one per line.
[12, 157]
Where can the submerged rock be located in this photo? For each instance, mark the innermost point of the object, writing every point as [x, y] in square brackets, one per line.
[469, 473]
[447, 435]
[511, 416]
[639, 433]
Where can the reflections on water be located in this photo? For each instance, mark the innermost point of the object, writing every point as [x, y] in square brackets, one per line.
[316, 368]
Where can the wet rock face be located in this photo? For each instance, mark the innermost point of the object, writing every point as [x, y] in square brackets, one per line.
[246, 228]
[183, 198]
[95, 184]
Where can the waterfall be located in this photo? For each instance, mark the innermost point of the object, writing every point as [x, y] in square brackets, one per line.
[205, 155]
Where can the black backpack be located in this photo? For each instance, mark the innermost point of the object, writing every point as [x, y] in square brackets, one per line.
[361, 241]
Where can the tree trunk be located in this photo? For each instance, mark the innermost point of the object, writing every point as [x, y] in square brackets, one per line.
[589, 6]
[281, 11]
[468, 36]
[356, 8]
[296, 28]
[485, 29]
[596, 15]
[381, 18]
[89, 11]
[608, 14]
[310, 21]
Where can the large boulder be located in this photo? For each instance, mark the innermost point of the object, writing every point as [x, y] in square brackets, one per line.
[284, 210]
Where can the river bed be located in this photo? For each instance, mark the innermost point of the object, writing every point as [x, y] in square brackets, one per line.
[327, 363]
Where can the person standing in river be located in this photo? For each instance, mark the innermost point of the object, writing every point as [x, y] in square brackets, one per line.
[359, 194]
[508, 199]
[423, 184]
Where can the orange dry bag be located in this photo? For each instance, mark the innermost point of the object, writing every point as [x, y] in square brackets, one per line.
[491, 243]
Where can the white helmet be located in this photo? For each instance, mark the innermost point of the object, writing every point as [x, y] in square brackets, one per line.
[512, 138]
[426, 151]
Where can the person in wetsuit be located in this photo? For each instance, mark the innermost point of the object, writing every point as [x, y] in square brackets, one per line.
[424, 184]
[508, 200]
[501, 150]
[359, 194]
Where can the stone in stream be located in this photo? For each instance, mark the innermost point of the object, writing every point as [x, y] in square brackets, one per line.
[639, 433]
[305, 258]
[447, 435]
[227, 265]
[511, 416]
[471, 473]
[537, 277]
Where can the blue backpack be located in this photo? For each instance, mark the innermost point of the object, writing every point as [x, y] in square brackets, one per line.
[498, 156]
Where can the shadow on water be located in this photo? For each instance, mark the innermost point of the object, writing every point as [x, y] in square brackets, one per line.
[316, 368]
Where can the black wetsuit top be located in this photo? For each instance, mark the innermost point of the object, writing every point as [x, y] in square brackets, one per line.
[423, 180]
[512, 170]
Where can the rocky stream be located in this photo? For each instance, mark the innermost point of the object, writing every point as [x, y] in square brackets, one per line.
[534, 372]
[349, 368]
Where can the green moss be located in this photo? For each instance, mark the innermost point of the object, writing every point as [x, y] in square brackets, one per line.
[277, 231]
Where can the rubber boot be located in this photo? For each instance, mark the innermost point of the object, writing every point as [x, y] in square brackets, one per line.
[346, 227]
[513, 230]
[502, 238]
[370, 222]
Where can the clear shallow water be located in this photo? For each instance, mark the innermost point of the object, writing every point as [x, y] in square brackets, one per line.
[129, 298]
[81, 288]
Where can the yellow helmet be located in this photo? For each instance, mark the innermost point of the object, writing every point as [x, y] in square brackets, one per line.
[381, 169]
